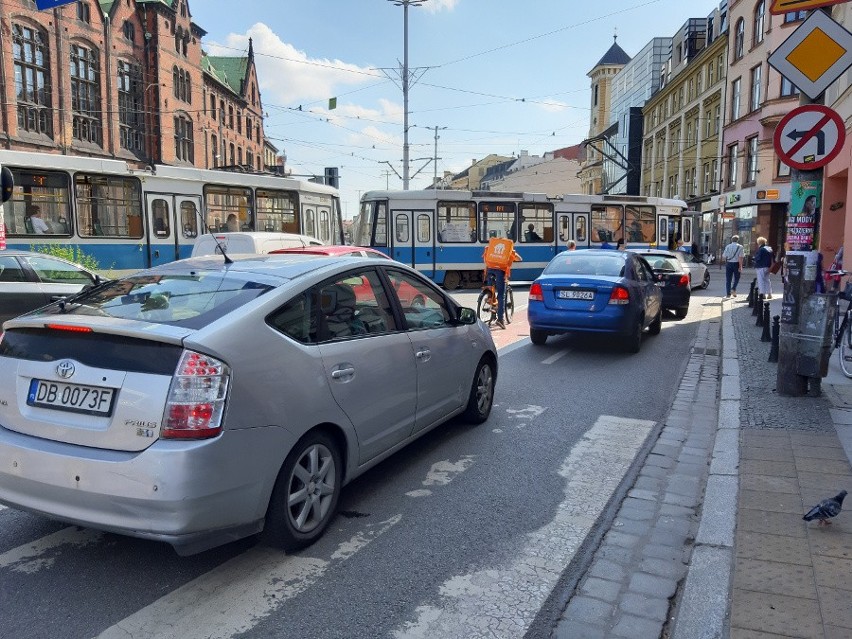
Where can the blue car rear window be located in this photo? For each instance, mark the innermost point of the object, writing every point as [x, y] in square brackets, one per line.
[576, 263]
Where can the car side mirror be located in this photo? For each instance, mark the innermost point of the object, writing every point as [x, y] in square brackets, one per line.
[467, 316]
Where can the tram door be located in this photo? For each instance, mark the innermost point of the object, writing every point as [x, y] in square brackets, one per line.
[171, 225]
[663, 234]
[412, 240]
[572, 226]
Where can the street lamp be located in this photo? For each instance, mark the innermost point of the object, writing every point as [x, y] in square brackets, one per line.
[405, 78]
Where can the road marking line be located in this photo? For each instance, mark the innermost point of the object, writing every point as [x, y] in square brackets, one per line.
[512, 594]
[236, 596]
[31, 558]
[557, 356]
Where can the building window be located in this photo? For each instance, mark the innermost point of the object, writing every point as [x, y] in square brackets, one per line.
[183, 139]
[733, 158]
[595, 103]
[249, 158]
[689, 134]
[129, 30]
[233, 155]
[178, 38]
[710, 75]
[735, 99]
[739, 39]
[181, 86]
[214, 146]
[795, 16]
[751, 159]
[230, 117]
[248, 127]
[756, 89]
[759, 22]
[788, 88]
[83, 14]
[715, 177]
[717, 119]
[32, 80]
[85, 95]
[131, 125]
[708, 185]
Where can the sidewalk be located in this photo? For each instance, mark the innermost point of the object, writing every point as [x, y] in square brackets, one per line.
[790, 578]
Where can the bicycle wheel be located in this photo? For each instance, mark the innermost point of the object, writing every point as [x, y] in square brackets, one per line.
[484, 309]
[509, 310]
[846, 347]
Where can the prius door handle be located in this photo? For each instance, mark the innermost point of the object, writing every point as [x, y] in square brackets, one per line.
[340, 373]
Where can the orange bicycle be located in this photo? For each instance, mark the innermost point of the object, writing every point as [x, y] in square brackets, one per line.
[486, 305]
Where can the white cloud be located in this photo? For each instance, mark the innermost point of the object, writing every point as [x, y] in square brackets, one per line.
[553, 106]
[287, 76]
[434, 6]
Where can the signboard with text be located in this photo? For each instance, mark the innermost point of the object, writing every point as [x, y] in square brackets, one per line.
[804, 215]
[41, 5]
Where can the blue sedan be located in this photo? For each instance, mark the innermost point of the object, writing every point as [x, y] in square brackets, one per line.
[596, 291]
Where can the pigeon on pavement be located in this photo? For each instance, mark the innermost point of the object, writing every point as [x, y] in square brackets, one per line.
[826, 509]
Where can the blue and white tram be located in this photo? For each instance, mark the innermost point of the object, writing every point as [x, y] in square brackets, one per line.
[131, 218]
[443, 233]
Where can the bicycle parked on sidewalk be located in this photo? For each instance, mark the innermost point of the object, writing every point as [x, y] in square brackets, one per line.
[843, 323]
[486, 305]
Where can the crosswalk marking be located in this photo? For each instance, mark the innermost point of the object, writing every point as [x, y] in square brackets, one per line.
[237, 595]
[32, 557]
[513, 594]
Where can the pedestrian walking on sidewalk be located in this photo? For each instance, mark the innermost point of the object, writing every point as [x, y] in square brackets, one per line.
[762, 262]
[733, 256]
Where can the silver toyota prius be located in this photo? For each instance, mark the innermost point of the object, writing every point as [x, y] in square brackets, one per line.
[214, 398]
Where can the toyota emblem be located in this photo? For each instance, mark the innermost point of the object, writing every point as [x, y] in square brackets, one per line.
[65, 369]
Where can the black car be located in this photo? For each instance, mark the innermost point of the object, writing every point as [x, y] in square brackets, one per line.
[29, 280]
[672, 278]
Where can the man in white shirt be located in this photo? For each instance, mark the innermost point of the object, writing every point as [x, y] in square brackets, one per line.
[39, 225]
[733, 256]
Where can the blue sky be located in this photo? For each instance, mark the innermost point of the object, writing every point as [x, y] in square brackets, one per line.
[501, 75]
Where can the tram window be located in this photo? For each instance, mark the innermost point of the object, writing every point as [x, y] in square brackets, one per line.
[49, 191]
[160, 218]
[276, 211]
[189, 219]
[581, 232]
[497, 220]
[381, 237]
[402, 233]
[222, 201]
[607, 223]
[640, 224]
[456, 222]
[324, 230]
[536, 223]
[310, 222]
[424, 229]
[108, 206]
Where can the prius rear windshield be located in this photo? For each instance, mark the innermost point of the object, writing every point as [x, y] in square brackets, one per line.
[190, 300]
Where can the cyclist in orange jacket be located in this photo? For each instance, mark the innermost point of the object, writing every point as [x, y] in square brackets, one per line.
[498, 257]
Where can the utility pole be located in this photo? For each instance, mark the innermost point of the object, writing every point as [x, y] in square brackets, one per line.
[405, 77]
[436, 158]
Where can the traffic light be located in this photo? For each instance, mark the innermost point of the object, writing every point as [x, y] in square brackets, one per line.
[331, 176]
[7, 182]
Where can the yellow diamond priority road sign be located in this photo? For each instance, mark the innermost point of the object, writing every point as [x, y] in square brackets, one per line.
[815, 55]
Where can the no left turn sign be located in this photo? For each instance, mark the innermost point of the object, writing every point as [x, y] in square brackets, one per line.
[809, 137]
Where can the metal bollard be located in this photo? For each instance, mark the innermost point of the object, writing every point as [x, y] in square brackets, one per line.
[766, 336]
[776, 338]
[751, 293]
[757, 311]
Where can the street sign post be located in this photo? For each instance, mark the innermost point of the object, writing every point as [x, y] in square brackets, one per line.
[780, 7]
[815, 55]
[809, 137]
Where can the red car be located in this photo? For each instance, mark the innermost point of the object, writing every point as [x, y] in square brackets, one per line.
[407, 294]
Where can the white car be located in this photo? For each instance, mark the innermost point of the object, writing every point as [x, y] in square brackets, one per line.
[699, 274]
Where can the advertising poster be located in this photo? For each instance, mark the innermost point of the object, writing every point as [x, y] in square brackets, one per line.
[803, 220]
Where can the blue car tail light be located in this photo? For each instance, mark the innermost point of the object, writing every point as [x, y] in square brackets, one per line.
[536, 293]
[619, 295]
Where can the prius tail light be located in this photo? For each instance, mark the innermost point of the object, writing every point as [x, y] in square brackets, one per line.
[536, 293]
[619, 295]
[196, 399]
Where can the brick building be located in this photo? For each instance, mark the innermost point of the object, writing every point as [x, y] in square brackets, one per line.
[125, 79]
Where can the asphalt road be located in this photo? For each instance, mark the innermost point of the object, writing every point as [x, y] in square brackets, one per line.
[467, 532]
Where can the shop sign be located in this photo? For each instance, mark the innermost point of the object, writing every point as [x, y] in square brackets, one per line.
[769, 194]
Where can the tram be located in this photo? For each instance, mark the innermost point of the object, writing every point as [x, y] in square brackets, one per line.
[128, 218]
[443, 233]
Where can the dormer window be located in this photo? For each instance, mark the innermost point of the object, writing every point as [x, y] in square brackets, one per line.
[83, 14]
